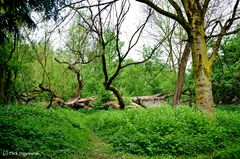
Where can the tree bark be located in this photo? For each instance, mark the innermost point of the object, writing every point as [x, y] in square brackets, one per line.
[181, 75]
[108, 81]
[153, 100]
[118, 95]
[201, 66]
[80, 85]
[79, 81]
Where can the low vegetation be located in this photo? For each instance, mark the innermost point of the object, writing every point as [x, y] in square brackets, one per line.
[47, 132]
[161, 132]
[179, 132]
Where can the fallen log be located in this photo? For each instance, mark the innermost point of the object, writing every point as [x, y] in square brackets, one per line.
[138, 102]
[112, 104]
[75, 103]
[145, 101]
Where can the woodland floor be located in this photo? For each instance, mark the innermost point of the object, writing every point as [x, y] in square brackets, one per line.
[56, 130]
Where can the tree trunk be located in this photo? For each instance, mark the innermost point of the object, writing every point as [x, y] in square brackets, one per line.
[181, 75]
[203, 89]
[202, 68]
[118, 95]
[80, 84]
[3, 98]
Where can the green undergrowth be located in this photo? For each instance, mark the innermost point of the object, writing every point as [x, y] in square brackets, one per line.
[47, 133]
[155, 133]
[180, 132]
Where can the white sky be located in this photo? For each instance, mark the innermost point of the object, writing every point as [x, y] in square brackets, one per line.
[133, 19]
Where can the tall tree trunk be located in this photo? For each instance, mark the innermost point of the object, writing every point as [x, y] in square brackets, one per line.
[118, 95]
[202, 68]
[181, 75]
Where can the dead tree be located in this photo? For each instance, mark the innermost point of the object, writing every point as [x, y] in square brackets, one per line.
[76, 70]
[102, 18]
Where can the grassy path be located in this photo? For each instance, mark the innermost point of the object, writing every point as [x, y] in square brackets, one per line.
[103, 150]
[98, 149]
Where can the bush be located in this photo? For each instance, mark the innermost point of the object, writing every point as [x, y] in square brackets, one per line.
[157, 131]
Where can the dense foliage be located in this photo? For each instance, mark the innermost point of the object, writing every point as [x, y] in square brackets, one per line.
[180, 131]
[226, 76]
[14, 15]
[32, 64]
[48, 133]
[32, 67]
[158, 132]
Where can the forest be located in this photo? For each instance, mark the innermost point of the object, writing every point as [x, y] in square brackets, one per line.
[124, 79]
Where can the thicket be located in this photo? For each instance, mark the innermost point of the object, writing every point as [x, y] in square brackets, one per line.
[34, 63]
[149, 78]
[226, 76]
[31, 68]
[182, 131]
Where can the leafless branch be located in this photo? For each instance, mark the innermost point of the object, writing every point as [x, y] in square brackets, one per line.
[149, 57]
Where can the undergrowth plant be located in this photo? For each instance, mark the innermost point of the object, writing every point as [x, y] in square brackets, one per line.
[47, 132]
[181, 131]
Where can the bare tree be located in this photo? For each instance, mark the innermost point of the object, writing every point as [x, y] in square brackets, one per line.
[105, 22]
[79, 50]
[42, 56]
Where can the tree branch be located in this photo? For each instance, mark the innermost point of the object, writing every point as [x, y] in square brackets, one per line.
[179, 17]
[205, 7]
[148, 58]
[224, 34]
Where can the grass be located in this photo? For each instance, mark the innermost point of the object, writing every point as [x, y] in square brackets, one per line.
[130, 134]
